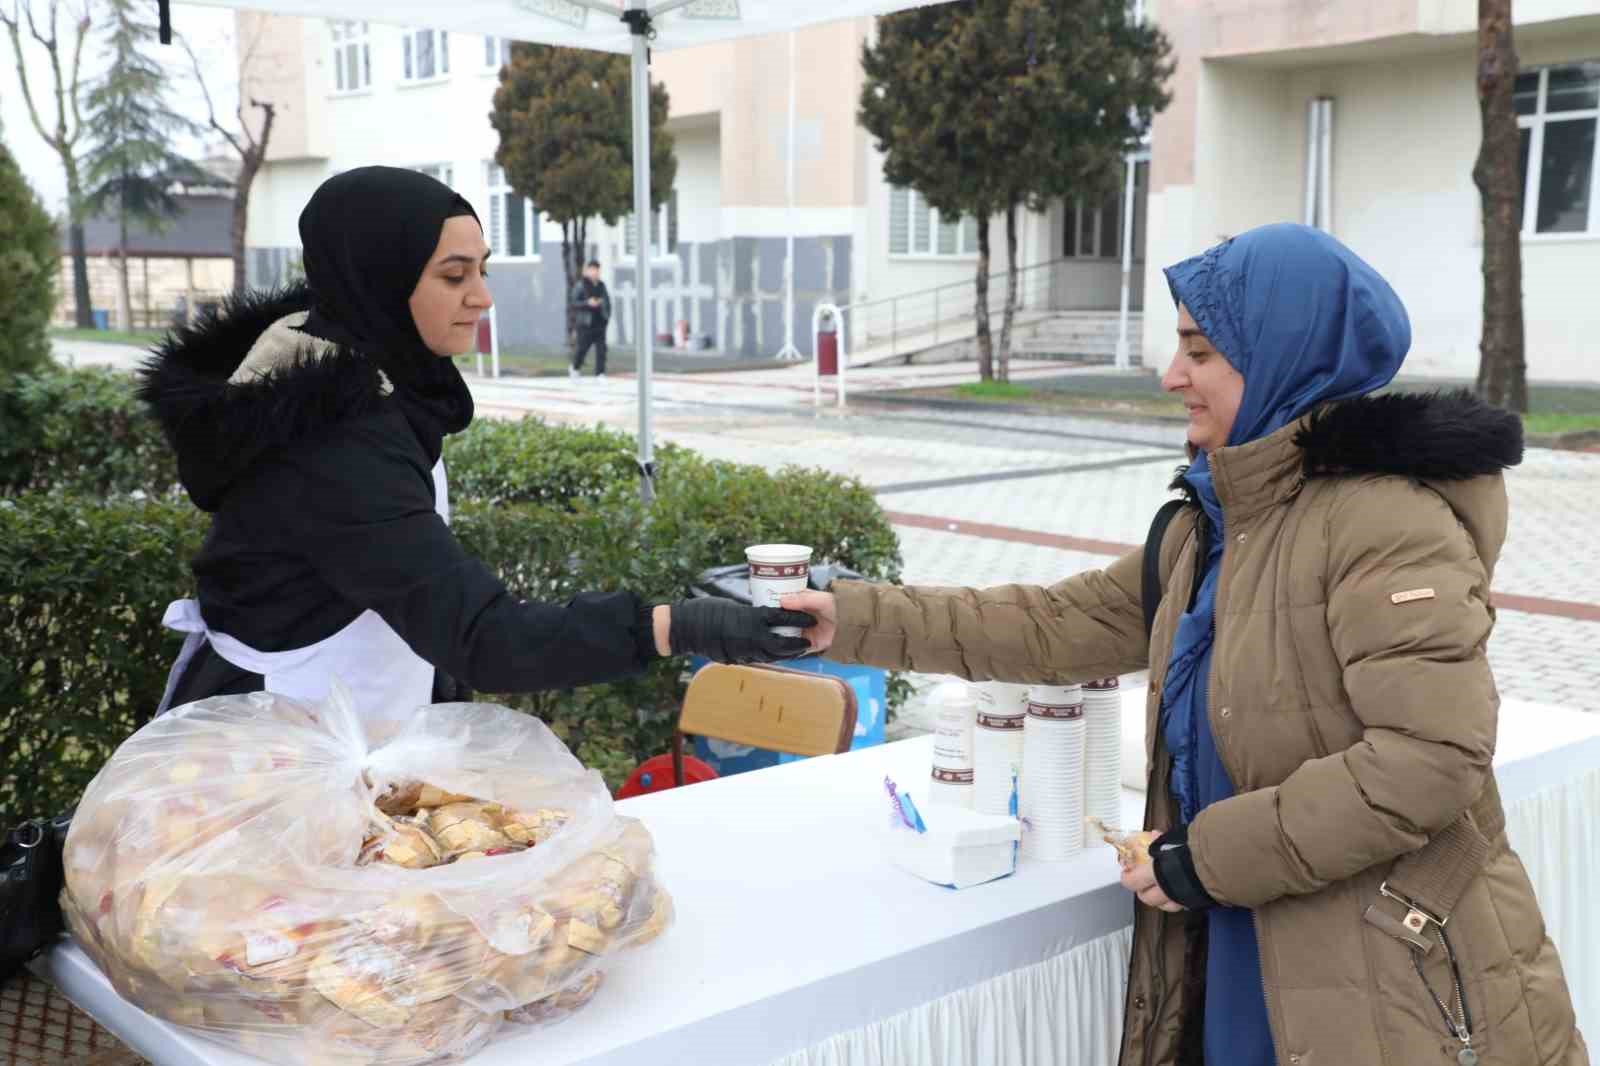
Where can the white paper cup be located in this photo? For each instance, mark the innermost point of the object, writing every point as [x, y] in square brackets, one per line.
[777, 570]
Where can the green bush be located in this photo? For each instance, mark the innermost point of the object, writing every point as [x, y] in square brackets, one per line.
[83, 656]
[28, 263]
[84, 581]
[80, 431]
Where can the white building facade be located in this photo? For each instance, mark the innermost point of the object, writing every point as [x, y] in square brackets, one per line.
[1241, 146]
[365, 93]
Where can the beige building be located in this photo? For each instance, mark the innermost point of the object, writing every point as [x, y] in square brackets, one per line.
[1362, 116]
[185, 264]
[360, 93]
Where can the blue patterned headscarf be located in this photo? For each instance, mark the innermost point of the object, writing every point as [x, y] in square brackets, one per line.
[1305, 321]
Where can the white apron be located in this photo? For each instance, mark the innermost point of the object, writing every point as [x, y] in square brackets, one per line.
[385, 677]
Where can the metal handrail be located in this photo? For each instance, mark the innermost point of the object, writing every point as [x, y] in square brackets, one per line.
[973, 282]
[913, 320]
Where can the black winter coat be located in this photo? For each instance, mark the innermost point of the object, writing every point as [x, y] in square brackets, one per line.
[322, 501]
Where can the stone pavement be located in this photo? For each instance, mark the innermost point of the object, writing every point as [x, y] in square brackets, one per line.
[986, 497]
[1057, 493]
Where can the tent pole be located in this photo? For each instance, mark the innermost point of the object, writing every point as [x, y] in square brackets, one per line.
[638, 20]
[789, 351]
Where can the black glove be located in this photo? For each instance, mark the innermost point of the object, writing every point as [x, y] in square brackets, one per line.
[728, 632]
[1175, 872]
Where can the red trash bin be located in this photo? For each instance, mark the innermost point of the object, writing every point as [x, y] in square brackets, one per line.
[655, 774]
[485, 342]
[827, 353]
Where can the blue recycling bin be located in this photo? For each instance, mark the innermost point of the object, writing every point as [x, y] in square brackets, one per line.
[872, 704]
[102, 319]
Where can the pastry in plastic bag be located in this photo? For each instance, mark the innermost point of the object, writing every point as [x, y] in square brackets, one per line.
[260, 871]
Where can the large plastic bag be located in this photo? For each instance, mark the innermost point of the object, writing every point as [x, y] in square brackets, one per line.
[227, 869]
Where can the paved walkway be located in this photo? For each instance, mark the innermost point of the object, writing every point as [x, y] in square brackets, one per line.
[990, 497]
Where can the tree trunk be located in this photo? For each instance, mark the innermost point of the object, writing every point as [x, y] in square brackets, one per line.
[237, 227]
[82, 312]
[981, 308]
[82, 307]
[1502, 368]
[569, 246]
[124, 295]
[1010, 315]
[250, 161]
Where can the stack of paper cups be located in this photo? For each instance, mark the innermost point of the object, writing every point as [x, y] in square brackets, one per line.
[997, 744]
[1055, 742]
[1102, 776]
[955, 707]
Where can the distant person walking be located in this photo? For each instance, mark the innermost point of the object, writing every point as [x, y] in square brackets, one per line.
[592, 304]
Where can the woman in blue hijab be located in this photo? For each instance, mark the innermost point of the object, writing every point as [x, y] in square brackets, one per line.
[1332, 883]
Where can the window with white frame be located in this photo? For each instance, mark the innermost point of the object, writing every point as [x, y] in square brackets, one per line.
[439, 172]
[1093, 229]
[917, 229]
[1558, 109]
[425, 54]
[352, 56]
[513, 228]
[496, 52]
[663, 229]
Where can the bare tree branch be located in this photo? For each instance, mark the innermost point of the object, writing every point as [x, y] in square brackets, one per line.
[13, 25]
[77, 69]
[211, 107]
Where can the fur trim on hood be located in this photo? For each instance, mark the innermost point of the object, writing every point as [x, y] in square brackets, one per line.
[244, 381]
[1440, 436]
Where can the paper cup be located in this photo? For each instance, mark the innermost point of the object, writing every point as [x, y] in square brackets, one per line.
[776, 570]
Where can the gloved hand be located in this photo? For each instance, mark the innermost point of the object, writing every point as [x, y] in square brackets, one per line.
[728, 632]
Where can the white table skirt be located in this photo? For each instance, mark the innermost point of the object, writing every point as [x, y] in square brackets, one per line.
[797, 944]
[1068, 1009]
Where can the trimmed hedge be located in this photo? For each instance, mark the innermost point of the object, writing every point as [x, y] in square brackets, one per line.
[85, 579]
[80, 431]
[83, 657]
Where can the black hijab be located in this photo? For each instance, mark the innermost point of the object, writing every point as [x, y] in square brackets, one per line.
[368, 234]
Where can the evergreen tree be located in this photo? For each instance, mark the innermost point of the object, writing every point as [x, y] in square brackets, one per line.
[28, 259]
[988, 107]
[566, 142]
[131, 166]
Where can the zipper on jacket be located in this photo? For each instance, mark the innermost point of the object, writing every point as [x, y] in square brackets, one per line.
[1211, 702]
[1158, 1000]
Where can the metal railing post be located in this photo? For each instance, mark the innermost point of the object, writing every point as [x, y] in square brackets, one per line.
[894, 325]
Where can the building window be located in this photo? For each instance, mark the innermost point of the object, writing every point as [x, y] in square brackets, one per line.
[439, 172]
[352, 56]
[663, 230]
[1093, 229]
[496, 52]
[426, 54]
[513, 229]
[917, 229]
[1558, 109]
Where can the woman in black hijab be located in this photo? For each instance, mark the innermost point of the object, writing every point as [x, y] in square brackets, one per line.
[309, 422]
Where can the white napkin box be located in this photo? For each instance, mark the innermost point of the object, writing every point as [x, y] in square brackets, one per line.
[961, 848]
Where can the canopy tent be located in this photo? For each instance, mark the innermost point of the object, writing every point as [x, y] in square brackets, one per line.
[622, 26]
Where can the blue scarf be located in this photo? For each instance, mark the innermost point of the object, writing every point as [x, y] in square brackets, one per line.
[1306, 322]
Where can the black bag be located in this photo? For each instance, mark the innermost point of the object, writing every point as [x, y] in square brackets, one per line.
[31, 878]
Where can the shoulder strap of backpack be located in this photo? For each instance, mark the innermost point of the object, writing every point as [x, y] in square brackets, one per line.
[1150, 585]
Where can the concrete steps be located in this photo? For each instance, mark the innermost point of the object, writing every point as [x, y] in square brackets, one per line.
[1080, 336]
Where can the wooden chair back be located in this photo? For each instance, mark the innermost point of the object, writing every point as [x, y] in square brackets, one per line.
[767, 707]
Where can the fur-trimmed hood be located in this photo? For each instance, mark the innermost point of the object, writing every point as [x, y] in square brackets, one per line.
[244, 381]
[1448, 435]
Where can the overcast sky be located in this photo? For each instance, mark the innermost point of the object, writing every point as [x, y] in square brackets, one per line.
[210, 29]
